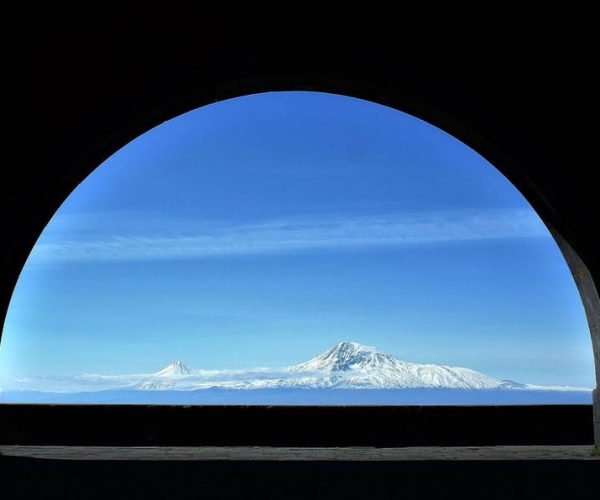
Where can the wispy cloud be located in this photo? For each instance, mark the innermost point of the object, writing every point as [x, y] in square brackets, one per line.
[255, 377]
[258, 378]
[292, 235]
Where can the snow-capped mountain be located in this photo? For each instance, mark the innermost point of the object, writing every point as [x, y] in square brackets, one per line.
[347, 365]
[347, 356]
[175, 369]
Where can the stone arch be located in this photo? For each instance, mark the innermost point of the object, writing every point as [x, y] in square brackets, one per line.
[70, 153]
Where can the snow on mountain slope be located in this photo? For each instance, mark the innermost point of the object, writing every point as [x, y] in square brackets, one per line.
[150, 385]
[347, 365]
[175, 369]
[347, 356]
[356, 365]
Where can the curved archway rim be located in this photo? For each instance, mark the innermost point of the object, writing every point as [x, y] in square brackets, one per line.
[195, 93]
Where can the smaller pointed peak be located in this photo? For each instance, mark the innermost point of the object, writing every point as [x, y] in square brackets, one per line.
[175, 369]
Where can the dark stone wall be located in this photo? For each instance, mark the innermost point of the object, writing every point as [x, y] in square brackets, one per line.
[76, 94]
[76, 479]
[388, 426]
[76, 91]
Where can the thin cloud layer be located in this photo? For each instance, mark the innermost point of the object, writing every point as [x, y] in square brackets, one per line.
[94, 382]
[286, 236]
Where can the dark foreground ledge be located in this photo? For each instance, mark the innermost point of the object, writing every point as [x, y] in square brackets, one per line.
[295, 426]
[29, 478]
[286, 454]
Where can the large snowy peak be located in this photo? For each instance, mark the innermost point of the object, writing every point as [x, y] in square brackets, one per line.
[352, 365]
[347, 365]
[348, 356]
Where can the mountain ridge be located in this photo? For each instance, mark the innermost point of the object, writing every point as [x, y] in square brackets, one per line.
[175, 369]
[346, 365]
[358, 365]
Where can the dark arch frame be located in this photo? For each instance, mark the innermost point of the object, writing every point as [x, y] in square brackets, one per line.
[80, 128]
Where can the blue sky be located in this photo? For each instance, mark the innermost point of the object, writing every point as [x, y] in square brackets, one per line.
[260, 231]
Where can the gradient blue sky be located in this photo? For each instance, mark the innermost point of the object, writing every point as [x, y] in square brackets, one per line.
[260, 231]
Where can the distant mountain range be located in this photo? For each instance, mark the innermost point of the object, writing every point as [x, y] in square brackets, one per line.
[347, 365]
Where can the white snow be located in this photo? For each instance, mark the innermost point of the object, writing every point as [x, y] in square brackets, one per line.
[347, 365]
[150, 385]
[175, 369]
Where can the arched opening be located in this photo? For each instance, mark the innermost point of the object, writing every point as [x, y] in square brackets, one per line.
[300, 234]
[80, 95]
